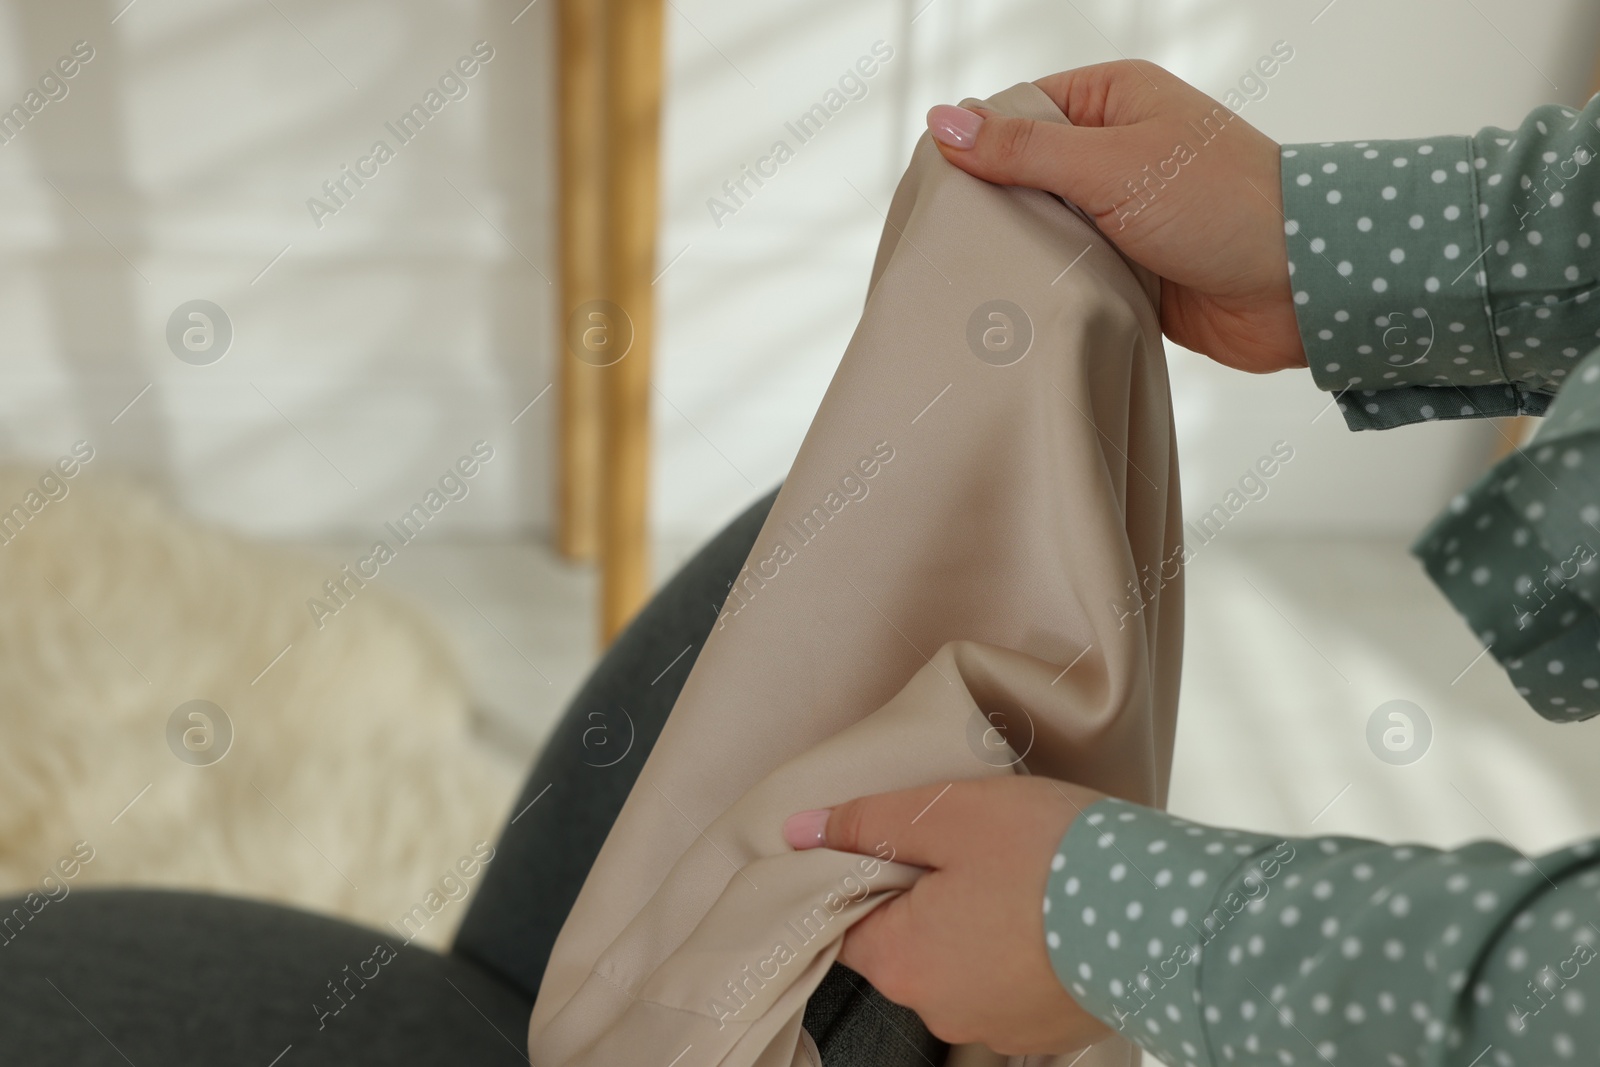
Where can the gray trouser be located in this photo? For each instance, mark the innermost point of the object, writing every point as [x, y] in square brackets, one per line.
[543, 857]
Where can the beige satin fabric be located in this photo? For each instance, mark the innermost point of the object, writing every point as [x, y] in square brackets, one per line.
[956, 554]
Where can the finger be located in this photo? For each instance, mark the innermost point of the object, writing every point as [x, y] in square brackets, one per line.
[1084, 165]
[1120, 93]
[879, 948]
[886, 825]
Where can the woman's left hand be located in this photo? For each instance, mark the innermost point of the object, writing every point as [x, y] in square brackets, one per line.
[964, 947]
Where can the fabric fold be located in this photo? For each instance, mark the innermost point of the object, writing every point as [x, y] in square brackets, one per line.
[961, 577]
[1518, 555]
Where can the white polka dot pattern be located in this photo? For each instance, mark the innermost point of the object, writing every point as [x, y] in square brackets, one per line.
[1448, 277]
[1324, 951]
[1518, 555]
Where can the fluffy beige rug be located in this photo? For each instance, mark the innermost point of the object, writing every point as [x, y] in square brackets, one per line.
[352, 785]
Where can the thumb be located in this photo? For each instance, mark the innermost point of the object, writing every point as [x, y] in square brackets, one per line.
[885, 825]
[1081, 164]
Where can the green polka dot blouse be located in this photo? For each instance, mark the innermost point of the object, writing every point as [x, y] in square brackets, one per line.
[1449, 277]
[1519, 556]
[1442, 278]
[1210, 946]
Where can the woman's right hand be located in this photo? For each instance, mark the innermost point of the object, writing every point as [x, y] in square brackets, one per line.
[1207, 214]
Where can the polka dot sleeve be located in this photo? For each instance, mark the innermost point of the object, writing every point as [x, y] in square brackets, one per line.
[1135, 899]
[1447, 277]
[1211, 947]
[1518, 555]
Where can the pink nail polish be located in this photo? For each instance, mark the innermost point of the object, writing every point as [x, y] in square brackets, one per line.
[954, 126]
[804, 829]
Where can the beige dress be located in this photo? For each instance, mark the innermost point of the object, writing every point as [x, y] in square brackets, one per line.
[970, 571]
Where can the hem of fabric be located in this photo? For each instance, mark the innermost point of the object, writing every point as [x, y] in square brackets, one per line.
[1406, 405]
[1483, 250]
[1344, 371]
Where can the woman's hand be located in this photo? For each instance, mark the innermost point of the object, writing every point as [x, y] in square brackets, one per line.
[964, 947]
[1177, 181]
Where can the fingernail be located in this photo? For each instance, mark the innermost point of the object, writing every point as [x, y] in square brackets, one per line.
[954, 126]
[804, 829]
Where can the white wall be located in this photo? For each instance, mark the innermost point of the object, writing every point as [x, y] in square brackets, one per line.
[382, 343]
[757, 312]
[416, 320]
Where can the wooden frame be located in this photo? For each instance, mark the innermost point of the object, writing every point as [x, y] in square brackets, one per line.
[633, 59]
[609, 104]
[580, 164]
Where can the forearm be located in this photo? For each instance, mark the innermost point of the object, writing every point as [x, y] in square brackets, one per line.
[1447, 277]
[1229, 947]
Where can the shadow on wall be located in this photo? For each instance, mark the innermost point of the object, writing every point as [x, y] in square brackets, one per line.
[370, 341]
[91, 293]
[523, 331]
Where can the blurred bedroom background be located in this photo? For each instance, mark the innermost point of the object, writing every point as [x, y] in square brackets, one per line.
[374, 339]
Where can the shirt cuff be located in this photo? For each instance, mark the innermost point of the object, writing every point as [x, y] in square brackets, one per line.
[1518, 555]
[1397, 326]
[1133, 897]
[1384, 409]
